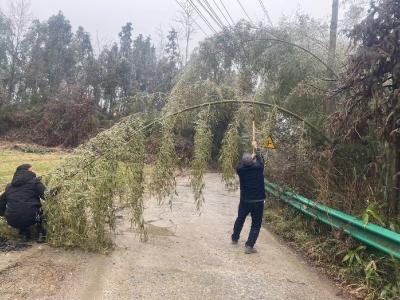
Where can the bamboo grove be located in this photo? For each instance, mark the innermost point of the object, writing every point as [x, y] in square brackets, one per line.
[109, 173]
[219, 92]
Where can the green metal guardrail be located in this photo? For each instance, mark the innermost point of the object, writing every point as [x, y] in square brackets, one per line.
[375, 236]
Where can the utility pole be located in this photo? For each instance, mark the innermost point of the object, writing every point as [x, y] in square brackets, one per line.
[330, 105]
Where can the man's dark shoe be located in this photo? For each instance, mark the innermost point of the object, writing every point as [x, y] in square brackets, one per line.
[250, 250]
[235, 242]
[25, 238]
[41, 238]
[25, 235]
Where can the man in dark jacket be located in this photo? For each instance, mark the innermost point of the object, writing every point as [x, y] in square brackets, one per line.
[252, 197]
[21, 202]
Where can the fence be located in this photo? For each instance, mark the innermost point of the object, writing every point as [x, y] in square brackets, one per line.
[372, 235]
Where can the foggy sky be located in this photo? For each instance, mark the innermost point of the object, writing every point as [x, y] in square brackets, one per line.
[104, 18]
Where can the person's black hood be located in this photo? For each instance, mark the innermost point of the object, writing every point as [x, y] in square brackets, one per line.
[22, 175]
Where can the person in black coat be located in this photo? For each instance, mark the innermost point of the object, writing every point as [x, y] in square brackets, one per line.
[20, 203]
[252, 197]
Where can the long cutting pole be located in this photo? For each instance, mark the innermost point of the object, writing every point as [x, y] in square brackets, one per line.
[254, 137]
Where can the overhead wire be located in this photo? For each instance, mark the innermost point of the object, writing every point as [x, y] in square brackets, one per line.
[246, 55]
[227, 12]
[210, 14]
[202, 16]
[194, 20]
[266, 12]
[245, 12]
[222, 13]
[269, 20]
[214, 13]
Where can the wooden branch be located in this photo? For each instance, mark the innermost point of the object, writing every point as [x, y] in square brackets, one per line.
[209, 104]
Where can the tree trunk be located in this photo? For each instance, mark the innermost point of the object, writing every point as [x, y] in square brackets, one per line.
[330, 105]
[396, 193]
[333, 34]
[11, 81]
[187, 45]
[392, 180]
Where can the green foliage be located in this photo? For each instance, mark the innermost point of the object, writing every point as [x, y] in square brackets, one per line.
[202, 155]
[34, 149]
[368, 110]
[77, 211]
[172, 48]
[307, 99]
[132, 154]
[163, 183]
[373, 210]
[352, 258]
[392, 290]
[44, 63]
[269, 124]
[83, 192]
[80, 202]
[229, 153]
[187, 93]
[372, 276]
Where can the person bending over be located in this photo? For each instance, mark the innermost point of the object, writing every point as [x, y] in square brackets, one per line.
[20, 203]
[252, 197]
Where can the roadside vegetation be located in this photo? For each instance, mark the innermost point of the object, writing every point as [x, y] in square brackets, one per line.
[360, 272]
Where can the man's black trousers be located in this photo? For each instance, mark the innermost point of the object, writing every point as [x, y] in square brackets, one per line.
[256, 210]
[23, 222]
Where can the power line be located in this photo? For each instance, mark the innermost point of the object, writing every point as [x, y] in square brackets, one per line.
[202, 16]
[265, 12]
[227, 12]
[214, 13]
[245, 12]
[241, 44]
[210, 14]
[226, 19]
[194, 20]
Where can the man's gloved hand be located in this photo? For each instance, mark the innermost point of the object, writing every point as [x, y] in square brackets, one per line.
[54, 191]
[255, 146]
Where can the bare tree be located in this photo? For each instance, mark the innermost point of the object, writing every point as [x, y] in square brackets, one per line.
[160, 47]
[333, 33]
[18, 18]
[354, 12]
[187, 22]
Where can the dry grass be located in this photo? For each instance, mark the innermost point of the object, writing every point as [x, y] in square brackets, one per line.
[42, 163]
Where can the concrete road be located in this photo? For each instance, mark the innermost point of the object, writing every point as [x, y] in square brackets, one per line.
[188, 256]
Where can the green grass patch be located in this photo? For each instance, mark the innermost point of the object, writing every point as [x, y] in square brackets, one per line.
[42, 163]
